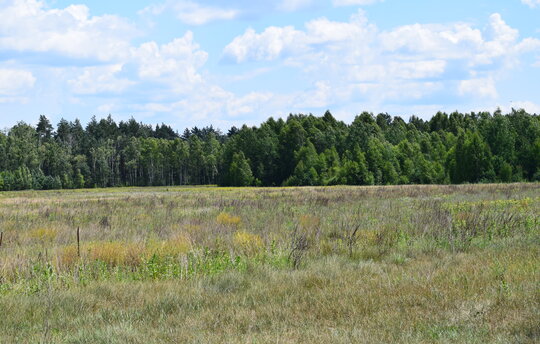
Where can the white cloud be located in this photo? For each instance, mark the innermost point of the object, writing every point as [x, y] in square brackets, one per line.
[348, 65]
[356, 60]
[484, 88]
[104, 67]
[175, 63]
[275, 42]
[151, 77]
[354, 2]
[27, 25]
[106, 60]
[200, 12]
[193, 13]
[528, 106]
[531, 3]
[15, 81]
[268, 45]
[248, 104]
[101, 79]
[319, 97]
[322, 30]
[459, 41]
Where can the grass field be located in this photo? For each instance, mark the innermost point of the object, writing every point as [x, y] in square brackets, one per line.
[403, 264]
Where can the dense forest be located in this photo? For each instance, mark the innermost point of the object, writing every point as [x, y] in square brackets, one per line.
[301, 150]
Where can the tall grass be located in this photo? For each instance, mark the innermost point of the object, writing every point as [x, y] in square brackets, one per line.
[335, 264]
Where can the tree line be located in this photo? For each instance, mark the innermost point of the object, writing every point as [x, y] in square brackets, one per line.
[301, 150]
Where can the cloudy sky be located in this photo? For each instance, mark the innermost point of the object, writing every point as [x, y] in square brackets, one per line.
[228, 62]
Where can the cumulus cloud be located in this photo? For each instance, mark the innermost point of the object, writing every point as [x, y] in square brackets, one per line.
[28, 25]
[458, 41]
[103, 63]
[142, 79]
[15, 81]
[358, 59]
[484, 88]
[268, 45]
[275, 42]
[100, 79]
[531, 3]
[342, 64]
[448, 42]
[106, 60]
[204, 106]
[175, 63]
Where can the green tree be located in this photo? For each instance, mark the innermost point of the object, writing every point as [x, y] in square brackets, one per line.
[291, 139]
[305, 172]
[535, 153]
[23, 178]
[354, 170]
[44, 129]
[3, 151]
[22, 147]
[362, 130]
[239, 173]
[375, 160]
[472, 159]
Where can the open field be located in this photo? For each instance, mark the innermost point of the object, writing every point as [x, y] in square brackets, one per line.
[401, 264]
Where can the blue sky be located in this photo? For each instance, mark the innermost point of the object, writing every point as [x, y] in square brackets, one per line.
[225, 63]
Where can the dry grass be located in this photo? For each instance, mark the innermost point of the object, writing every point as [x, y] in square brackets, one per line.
[228, 220]
[448, 264]
[247, 243]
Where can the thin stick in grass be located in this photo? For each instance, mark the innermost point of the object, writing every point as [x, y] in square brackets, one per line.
[78, 242]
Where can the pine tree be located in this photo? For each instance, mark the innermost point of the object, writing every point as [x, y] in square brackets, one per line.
[44, 128]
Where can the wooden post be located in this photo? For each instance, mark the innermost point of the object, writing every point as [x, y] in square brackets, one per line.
[1, 237]
[78, 242]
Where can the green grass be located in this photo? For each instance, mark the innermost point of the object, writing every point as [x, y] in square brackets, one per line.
[428, 264]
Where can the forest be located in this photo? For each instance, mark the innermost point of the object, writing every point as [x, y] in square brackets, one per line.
[301, 150]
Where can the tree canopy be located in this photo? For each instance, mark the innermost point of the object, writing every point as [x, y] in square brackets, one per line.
[301, 150]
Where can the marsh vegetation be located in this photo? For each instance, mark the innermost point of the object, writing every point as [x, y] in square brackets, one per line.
[400, 264]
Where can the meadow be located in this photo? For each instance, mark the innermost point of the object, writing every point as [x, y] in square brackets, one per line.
[380, 264]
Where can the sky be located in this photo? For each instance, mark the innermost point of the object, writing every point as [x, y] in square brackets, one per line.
[233, 62]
